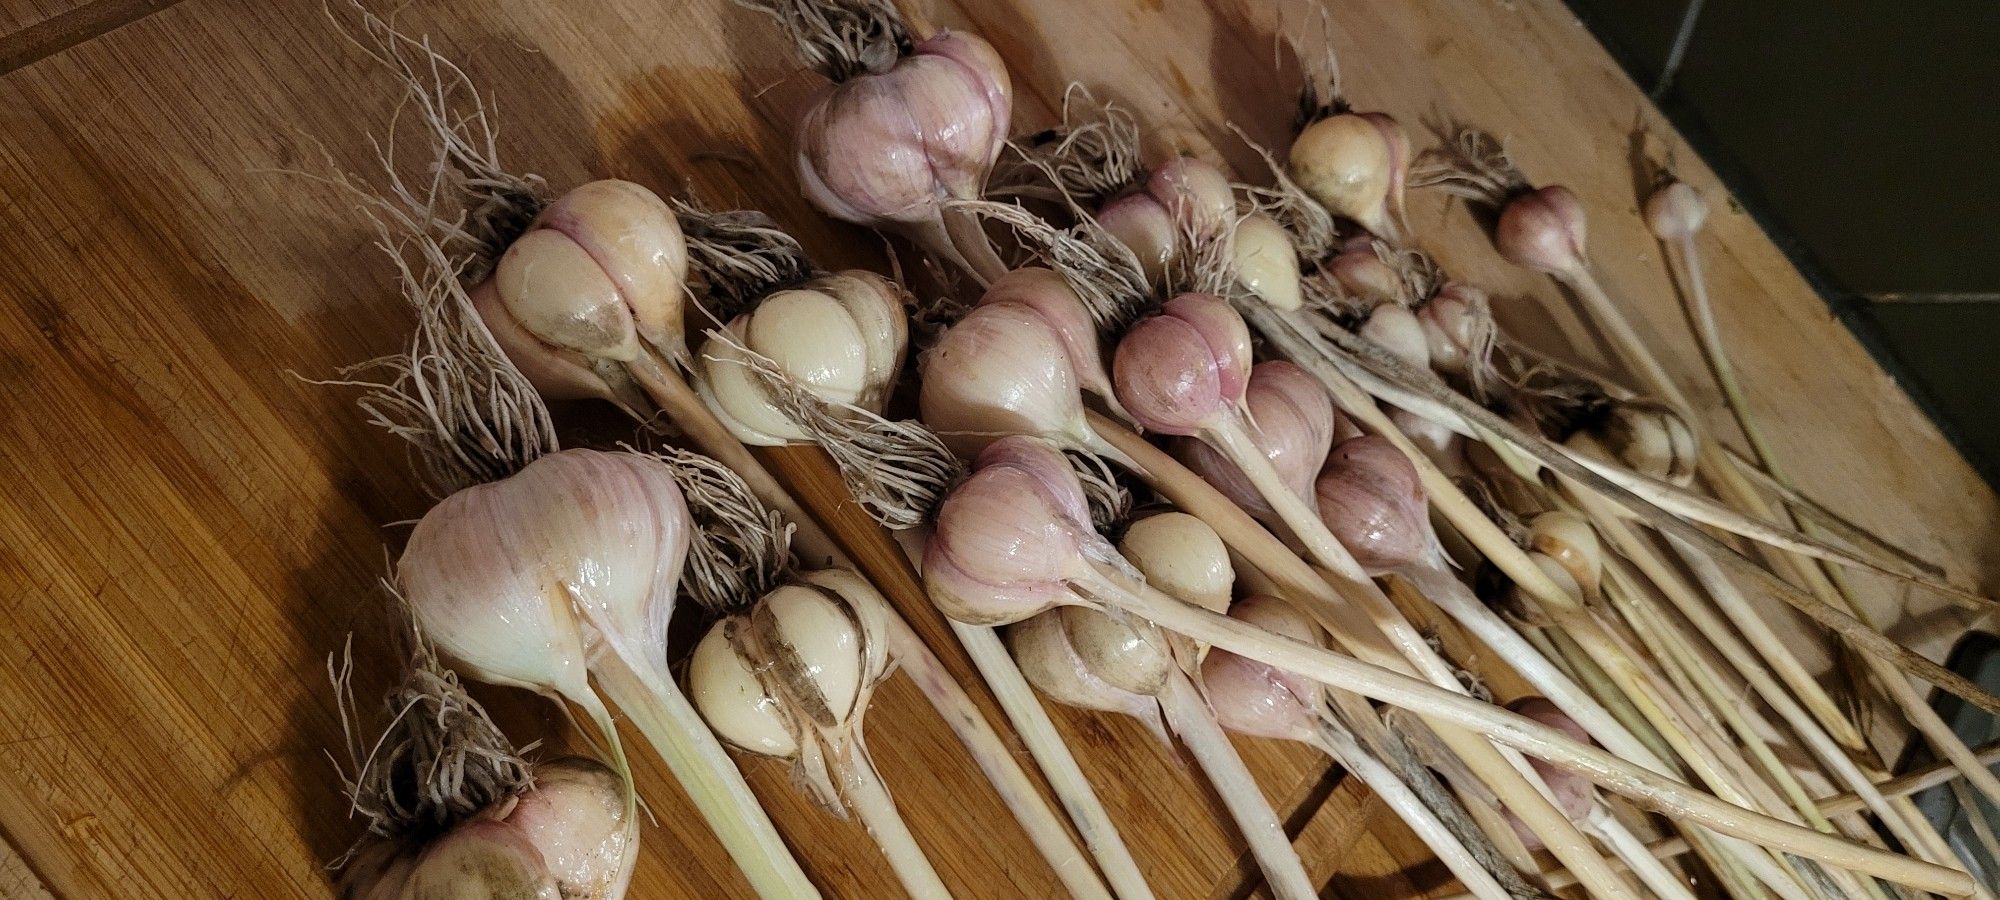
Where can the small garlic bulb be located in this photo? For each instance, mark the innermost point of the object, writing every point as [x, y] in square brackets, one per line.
[1182, 556]
[1543, 230]
[575, 817]
[1250, 697]
[1266, 264]
[1458, 326]
[1397, 330]
[1011, 535]
[1360, 271]
[1143, 225]
[1293, 424]
[1184, 194]
[1573, 793]
[1650, 438]
[1353, 164]
[594, 284]
[1372, 499]
[1184, 369]
[1676, 212]
[1002, 369]
[887, 148]
[790, 677]
[1050, 296]
[841, 336]
[1101, 665]
[1568, 540]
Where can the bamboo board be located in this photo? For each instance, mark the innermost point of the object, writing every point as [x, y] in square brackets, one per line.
[189, 529]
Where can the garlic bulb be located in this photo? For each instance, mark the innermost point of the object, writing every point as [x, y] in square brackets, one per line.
[1354, 165]
[1050, 296]
[888, 147]
[1458, 326]
[1184, 368]
[1266, 264]
[1360, 271]
[1543, 230]
[840, 336]
[1011, 535]
[1293, 424]
[1650, 438]
[1140, 223]
[1185, 195]
[594, 284]
[1396, 329]
[1371, 498]
[1250, 697]
[1073, 672]
[478, 860]
[1675, 212]
[528, 580]
[1002, 369]
[1567, 539]
[1181, 555]
[790, 677]
[574, 815]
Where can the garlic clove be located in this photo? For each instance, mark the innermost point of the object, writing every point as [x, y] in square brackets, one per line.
[1397, 330]
[1568, 540]
[1458, 326]
[983, 67]
[1010, 535]
[812, 337]
[1194, 192]
[737, 397]
[1676, 212]
[1361, 272]
[1051, 296]
[575, 817]
[1140, 223]
[725, 688]
[877, 306]
[1042, 648]
[1651, 438]
[559, 294]
[1543, 230]
[1225, 332]
[870, 611]
[1002, 369]
[1398, 142]
[1373, 501]
[1345, 162]
[481, 860]
[636, 238]
[1181, 555]
[1168, 378]
[1266, 263]
[555, 373]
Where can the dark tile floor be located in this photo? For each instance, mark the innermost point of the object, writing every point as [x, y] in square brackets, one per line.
[1864, 134]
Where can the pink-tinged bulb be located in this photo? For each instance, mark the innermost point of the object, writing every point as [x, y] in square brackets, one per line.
[1293, 421]
[1676, 212]
[1395, 329]
[1143, 225]
[1194, 192]
[1009, 537]
[1186, 368]
[889, 148]
[1003, 369]
[1250, 697]
[598, 277]
[523, 581]
[575, 817]
[1373, 501]
[1458, 328]
[1364, 275]
[1543, 230]
[1572, 792]
[1346, 162]
[1051, 296]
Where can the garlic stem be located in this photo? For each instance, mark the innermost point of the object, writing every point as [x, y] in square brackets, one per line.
[972, 245]
[1635, 855]
[1189, 717]
[1016, 789]
[1347, 752]
[1645, 788]
[870, 800]
[1031, 721]
[703, 768]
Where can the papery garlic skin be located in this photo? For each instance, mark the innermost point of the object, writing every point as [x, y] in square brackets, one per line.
[1010, 536]
[481, 859]
[1372, 499]
[1145, 227]
[596, 281]
[504, 577]
[1347, 162]
[575, 816]
[885, 149]
[1250, 697]
[841, 336]
[725, 688]
[1266, 264]
[1002, 369]
[1543, 230]
[1181, 555]
[1293, 424]
[1186, 368]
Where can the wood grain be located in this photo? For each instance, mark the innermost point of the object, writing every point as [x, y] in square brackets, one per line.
[189, 528]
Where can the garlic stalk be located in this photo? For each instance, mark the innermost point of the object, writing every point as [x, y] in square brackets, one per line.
[906, 124]
[1295, 424]
[1012, 541]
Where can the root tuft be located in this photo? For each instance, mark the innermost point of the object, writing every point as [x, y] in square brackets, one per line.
[742, 256]
[743, 549]
[1102, 271]
[841, 38]
[1093, 154]
[1469, 164]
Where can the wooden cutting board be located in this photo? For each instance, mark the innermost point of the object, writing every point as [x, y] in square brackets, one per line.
[189, 528]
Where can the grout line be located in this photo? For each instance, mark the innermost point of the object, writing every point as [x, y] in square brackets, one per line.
[65, 30]
[1678, 52]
